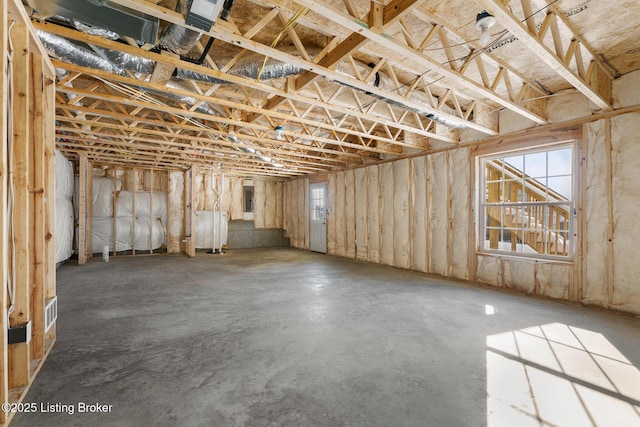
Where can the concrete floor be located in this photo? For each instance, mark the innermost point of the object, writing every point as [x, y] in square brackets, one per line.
[286, 337]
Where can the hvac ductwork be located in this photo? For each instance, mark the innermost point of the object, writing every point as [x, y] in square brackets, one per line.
[95, 31]
[66, 51]
[178, 39]
[248, 67]
[125, 61]
[181, 40]
[114, 62]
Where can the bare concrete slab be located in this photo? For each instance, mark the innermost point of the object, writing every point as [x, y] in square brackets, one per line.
[279, 337]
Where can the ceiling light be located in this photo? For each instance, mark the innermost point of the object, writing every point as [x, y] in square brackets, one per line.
[484, 21]
[203, 13]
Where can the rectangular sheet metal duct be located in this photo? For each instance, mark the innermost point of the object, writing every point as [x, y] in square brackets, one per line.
[103, 14]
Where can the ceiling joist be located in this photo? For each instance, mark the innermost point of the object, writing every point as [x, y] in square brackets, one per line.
[593, 84]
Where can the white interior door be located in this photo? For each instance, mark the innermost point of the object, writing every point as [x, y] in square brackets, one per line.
[318, 220]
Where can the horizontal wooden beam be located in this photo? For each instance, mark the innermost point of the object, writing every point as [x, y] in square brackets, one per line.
[245, 82]
[528, 37]
[383, 39]
[225, 32]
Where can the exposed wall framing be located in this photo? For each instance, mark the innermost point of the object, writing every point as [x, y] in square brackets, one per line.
[27, 247]
[418, 213]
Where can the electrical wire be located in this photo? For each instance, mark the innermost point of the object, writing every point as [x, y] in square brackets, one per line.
[499, 35]
[274, 43]
[11, 277]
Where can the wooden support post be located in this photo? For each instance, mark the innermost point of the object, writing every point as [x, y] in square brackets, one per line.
[49, 146]
[38, 172]
[151, 217]
[189, 211]
[89, 223]
[82, 209]
[610, 223]
[449, 163]
[134, 172]
[472, 259]
[169, 219]
[19, 354]
[114, 210]
[429, 213]
[4, 250]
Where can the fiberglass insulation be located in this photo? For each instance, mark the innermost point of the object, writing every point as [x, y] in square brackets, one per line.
[597, 217]
[625, 147]
[64, 207]
[206, 225]
[419, 217]
[150, 217]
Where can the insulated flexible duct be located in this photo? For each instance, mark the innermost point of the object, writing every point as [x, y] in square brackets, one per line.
[178, 39]
[66, 51]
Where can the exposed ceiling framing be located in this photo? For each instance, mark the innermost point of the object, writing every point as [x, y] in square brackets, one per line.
[370, 81]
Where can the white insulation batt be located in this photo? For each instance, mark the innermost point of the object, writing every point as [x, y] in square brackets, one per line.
[207, 225]
[64, 207]
[140, 217]
[595, 290]
[296, 207]
[411, 213]
[625, 147]
[175, 224]
[417, 213]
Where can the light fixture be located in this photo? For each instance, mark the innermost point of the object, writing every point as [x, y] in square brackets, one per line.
[484, 21]
[278, 129]
[203, 13]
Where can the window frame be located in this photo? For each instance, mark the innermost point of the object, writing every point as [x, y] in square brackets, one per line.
[480, 200]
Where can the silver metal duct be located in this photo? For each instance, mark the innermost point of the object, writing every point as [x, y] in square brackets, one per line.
[125, 61]
[206, 108]
[193, 75]
[272, 70]
[102, 14]
[95, 31]
[64, 50]
[178, 39]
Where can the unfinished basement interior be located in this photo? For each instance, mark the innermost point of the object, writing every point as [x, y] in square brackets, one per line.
[320, 213]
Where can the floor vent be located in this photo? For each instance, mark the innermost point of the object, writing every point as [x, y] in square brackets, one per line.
[50, 313]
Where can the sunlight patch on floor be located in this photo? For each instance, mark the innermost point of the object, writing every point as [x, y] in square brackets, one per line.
[558, 375]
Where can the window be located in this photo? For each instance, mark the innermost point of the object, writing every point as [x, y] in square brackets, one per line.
[318, 204]
[247, 192]
[526, 203]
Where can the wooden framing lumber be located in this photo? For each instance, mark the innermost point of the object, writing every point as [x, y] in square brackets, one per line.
[27, 110]
[557, 60]
[83, 201]
[19, 354]
[417, 56]
[190, 211]
[4, 243]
